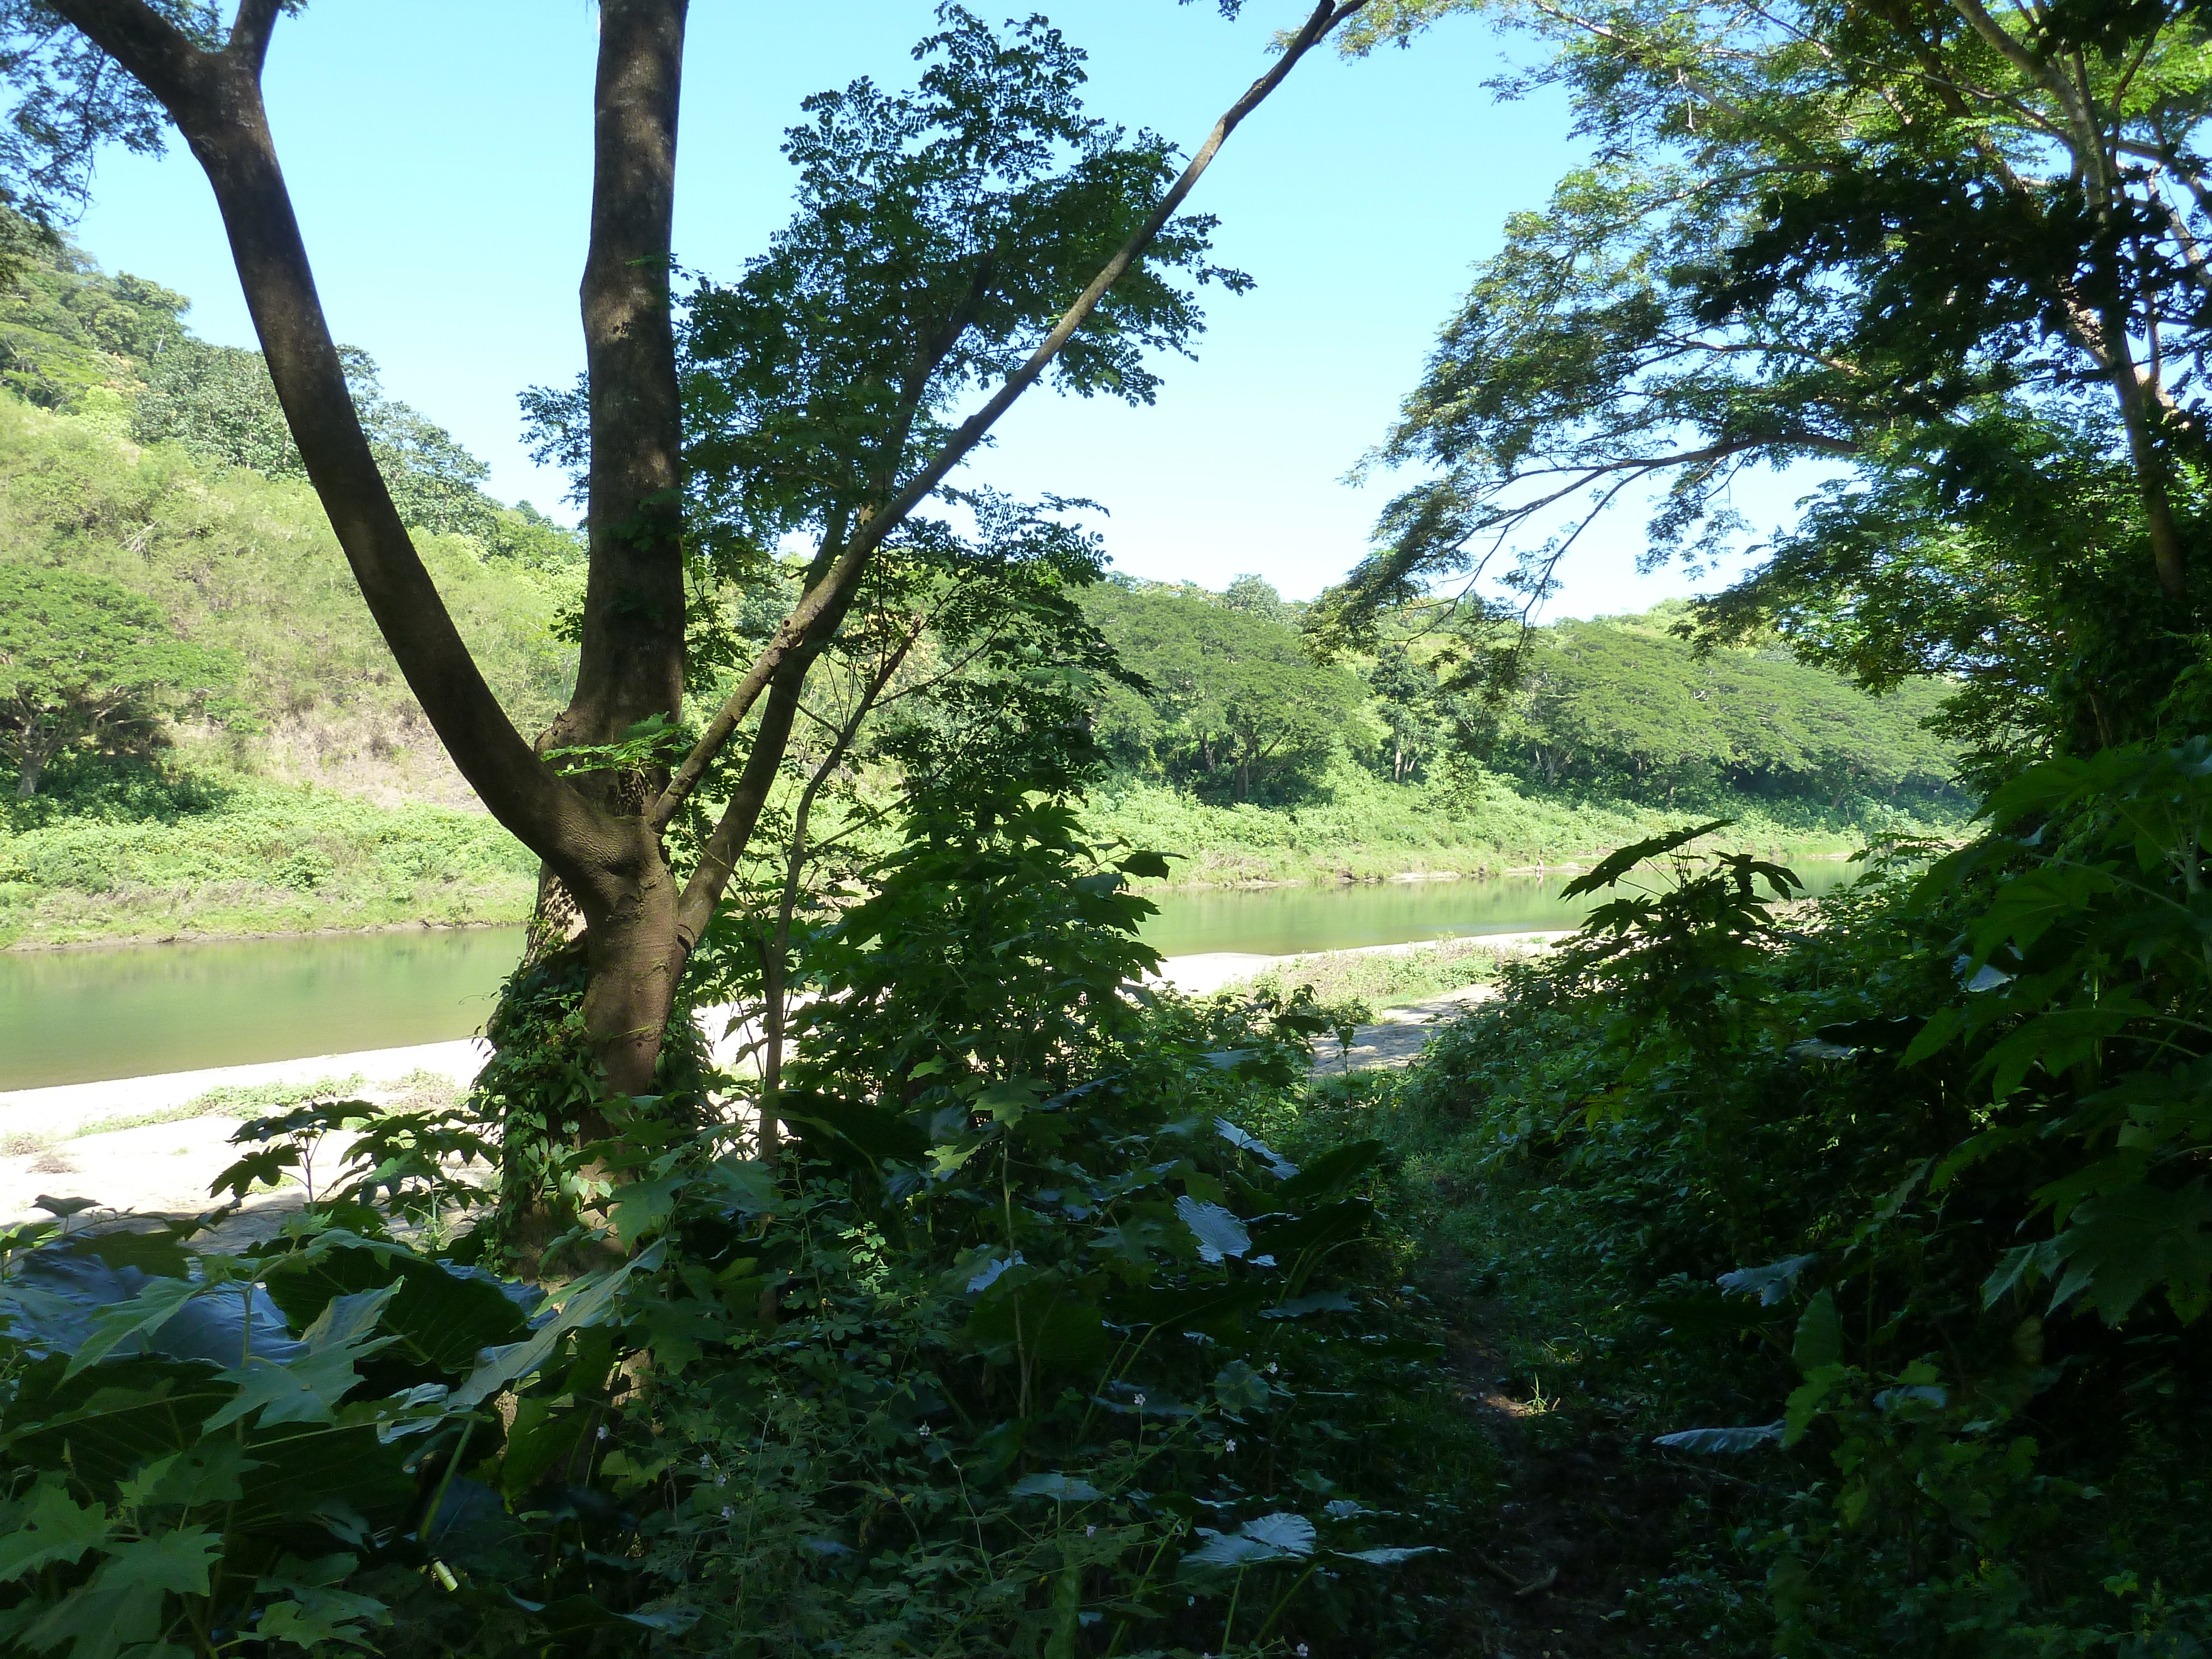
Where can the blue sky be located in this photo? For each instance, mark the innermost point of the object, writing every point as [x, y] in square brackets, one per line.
[439, 156]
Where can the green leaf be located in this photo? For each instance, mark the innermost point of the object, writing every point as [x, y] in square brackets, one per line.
[265, 1168]
[642, 1208]
[307, 1389]
[177, 1561]
[1610, 869]
[99, 1617]
[1330, 1175]
[1241, 1388]
[207, 1473]
[2119, 1246]
[316, 1616]
[1279, 1537]
[142, 1315]
[590, 1301]
[1059, 1487]
[49, 1527]
[442, 1315]
[1820, 1340]
[122, 1603]
[1742, 1439]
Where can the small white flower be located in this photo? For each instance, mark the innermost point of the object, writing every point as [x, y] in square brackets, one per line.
[1302, 1651]
[729, 1513]
[706, 1462]
[1140, 1405]
[1091, 1532]
[1232, 1446]
[1271, 1368]
[722, 1478]
[603, 1432]
[923, 1431]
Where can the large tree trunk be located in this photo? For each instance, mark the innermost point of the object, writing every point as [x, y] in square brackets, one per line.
[631, 666]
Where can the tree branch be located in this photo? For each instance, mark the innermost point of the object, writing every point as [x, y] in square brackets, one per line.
[149, 47]
[250, 33]
[845, 570]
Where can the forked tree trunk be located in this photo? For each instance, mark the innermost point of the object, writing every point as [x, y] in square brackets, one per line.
[599, 837]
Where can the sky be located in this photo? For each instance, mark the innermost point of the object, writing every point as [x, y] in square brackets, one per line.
[438, 152]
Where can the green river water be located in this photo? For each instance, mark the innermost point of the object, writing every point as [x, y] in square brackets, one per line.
[128, 1011]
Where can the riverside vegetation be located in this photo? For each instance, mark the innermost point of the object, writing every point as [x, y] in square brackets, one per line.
[306, 790]
[1745, 1278]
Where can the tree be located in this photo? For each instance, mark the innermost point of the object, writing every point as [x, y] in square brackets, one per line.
[1231, 701]
[67, 329]
[601, 833]
[1925, 238]
[220, 403]
[1622, 703]
[1406, 699]
[85, 662]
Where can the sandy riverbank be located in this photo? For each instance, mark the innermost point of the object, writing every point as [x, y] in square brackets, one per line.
[149, 1144]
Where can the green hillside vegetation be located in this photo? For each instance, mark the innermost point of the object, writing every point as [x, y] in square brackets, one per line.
[307, 790]
[1257, 763]
[137, 459]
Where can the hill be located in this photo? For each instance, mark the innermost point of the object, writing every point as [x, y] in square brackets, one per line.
[313, 793]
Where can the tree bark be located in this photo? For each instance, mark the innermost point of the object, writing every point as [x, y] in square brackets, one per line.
[632, 661]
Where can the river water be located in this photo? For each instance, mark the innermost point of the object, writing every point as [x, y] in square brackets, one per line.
[128, 1011]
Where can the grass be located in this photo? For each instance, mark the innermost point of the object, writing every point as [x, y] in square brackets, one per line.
[150, 854]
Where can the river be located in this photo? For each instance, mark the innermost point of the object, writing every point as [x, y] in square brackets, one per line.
[128, 1011]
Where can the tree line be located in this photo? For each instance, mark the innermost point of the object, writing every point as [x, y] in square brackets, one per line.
[1236, 705]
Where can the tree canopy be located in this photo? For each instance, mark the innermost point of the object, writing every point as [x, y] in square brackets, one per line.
[1234, 703]
[1951, 256]
[85, 661]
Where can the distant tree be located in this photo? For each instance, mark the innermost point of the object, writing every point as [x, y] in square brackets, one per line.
[1237, 704]
[1628, 706]
[67, 329]
[1410, 704]
[1255, 596]
[220, 403]
[86, 662]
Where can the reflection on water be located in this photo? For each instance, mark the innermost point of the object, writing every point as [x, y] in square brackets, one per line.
[78, 1016]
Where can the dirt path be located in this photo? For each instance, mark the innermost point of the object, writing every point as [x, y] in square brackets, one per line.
[1399, 1034]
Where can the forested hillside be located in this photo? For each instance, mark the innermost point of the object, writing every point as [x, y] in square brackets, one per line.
[293, 782]
[1241, 710]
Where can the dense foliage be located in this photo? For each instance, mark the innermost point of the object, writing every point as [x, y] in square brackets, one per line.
[1235, 705]
[1940, 262]
[86, 664]
[1892, 1210]
[1025, 1341]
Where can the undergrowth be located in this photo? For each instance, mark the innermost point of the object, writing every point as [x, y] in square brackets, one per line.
[1858, 1248]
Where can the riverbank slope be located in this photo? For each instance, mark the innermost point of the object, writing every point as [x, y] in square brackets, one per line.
[198, 852]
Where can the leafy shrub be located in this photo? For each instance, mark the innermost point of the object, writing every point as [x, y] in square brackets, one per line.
[1884, 1190]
